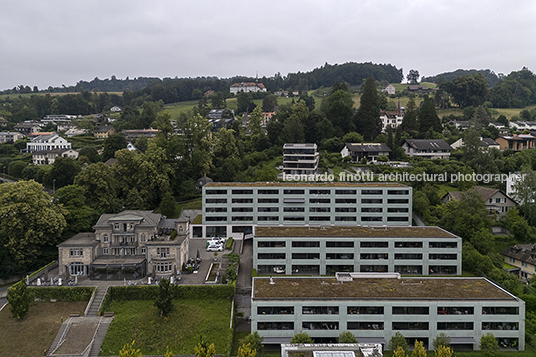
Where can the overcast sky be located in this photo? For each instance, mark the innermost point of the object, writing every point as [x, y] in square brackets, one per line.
[59, 42]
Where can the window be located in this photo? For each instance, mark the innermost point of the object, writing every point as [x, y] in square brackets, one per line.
[216, 192]
[494, 310]
[266, 209]
[408, 244]
[293, 192]
[76, 252]
[371, 209]
[275, 310]
[397, 219]
[262, 244]
[215, 219]
[408, 256]
[268, 192]
[411, 310]
[268, 200]
[293, 218]
[397, 200]
[216, 200]
[242, 218]
[339, 256]
[365, 310]
[398, 192]
[319, 200]
[371, 200]
[243, 209]
[443, 244]
[409, 269]
[275, 326]
[268, 218]
[346, 200]
[374, 244]
[242, 200]
[345, 209]
[106, 250]
[410, 326]
[367, 256]
[319, 218]
[454, 325]
[116, 226]
[443, 256]
[328, 325]
[345, 219]
[319, 209]
[105, 238]
[345, 192]
[142, 237]
[163, 267]
[372, 192]
[371, 219]
[397, 210]
[342, 244]
[458, 310]
[242, 192]
[216, 209]
[319, 192]
[320, 310]
[143, 250]
[500, 326]
[351, 325]
[271, 256]
[373, 268]
[305, 255]
[294, 209]
[305, 244]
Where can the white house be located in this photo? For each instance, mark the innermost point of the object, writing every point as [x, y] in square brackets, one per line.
[486, 144]
[47, 157]
[47, 142]
[247, 87]
[427, 148]
[390, 89]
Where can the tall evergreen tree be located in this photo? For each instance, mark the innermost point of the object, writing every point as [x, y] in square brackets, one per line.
[410, 123]
[428, 116]
[368, 115]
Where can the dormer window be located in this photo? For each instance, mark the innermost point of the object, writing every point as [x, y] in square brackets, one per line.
[116, 226]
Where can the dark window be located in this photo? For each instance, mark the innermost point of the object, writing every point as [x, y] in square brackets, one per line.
[319, 200]
[456, 326]
[275, 325]
[398, 192]
[458, 310]
[498, 326]
[442, 269]
[271, 256]
[242, 192]
[397, 219]
[268, 218]
[443, 256]
[305, 244]
[408, 244]
[215, 219]
[242, 218]
[494, 310]
[408, 256]
[367, 256]
[216, 209]
[320, 310]
[345, 200]
[216, 192]
[371, 209]
[371, 219]
[319, 192]
[373, 268]
[339, 244]
[365, 310]
[216, 200]
[319, 209]
[268, 200]
[293, 218]
[374, 244]
[345, 192]
[294, 209]
[319, 218]
[409, 269]
[397, 200]
[371, 200]
[268, 192]
[271, 244]
[305, 255]
[293, 192]
[268, 209]
[410, 326]
[345, 209]
[372, 192]
[345, 219]
[242, 200]
[339, 256]
[397, 209]
[242, 209]
[276, 310]
[362, 325]
[411, 310]
[328, 325]
[443, 244]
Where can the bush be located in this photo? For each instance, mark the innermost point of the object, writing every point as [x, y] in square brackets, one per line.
[397, 340]
[301, 337]
[62, 293]
[441, 340]
[488, 344]
[229, 243]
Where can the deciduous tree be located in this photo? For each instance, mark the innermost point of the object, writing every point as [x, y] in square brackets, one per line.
[346, 337]
[19, 299]
[396, 341]
[488, 344]
[255, 341]
[301, 337]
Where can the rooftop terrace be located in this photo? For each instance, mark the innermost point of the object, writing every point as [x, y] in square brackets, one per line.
[378, 289]
[353, 231]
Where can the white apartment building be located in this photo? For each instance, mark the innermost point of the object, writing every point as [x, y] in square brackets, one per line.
[300, 159]
[47, 142]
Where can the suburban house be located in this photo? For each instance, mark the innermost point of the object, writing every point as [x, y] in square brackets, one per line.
[127, 245]
[517, 142]
[374, 306]
[115, 109]
[392, 119]
[486, 144]
[47, 142]
[300, 159]
[523, 258]
[58, 118]
[66, 126]
[104, 131]
[28, 128]
[390, 89]
[299, 250]
[74, 132]
[215, 117]
[237, 208]
[369, 151]
[461, 125]
[522, 125]
[247, 87]
[47, 157]
[3, 122]
[135, 133]
[10, 136]
[427, 148]
[496, 201]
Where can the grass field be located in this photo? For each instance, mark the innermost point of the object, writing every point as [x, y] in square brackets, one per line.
[181, 330]
[36, 332]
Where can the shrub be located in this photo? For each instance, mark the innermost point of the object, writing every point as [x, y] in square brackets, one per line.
[441, 340]
[301, 337]
[488, 344]
[62, 293]
[346, 337]
[229, 243]
[19, 298]
[397, 340]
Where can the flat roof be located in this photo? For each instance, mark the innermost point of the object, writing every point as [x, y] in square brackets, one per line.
[322, 288]
[305, 184]
[352, 231]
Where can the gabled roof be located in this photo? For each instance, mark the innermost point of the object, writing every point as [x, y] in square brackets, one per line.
[485, 192]
[368, 147]
[146, 218]
[524, 252]
[428, 144]
[489, 142]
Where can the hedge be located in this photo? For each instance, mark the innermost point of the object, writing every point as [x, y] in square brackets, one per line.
[179, 292]
[62, 293]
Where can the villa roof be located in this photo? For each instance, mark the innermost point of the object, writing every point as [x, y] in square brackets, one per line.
[80, 239]
[368, 147]
[146, 218]
[523, 252]
[428, 144]
[485, 192]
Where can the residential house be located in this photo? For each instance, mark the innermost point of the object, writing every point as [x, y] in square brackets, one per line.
[47, 142]
[461, 125]
[58, 118]
[390, 89]
[74, 132]
[427, 148]
[486, 144]
[115, 109]
[300, 159]
[496, 201]
[127, 245]
[28, 128]
[516, 142]
[47, 157]
[215, 117]
[369, 151]
[10, 136]
[523, 258]
[135, 133]
[3, 122]
[325, 250]
[375, 306]
[66, 126]
[522, 125]
[392, 119]
[247, 87]
[104, 131]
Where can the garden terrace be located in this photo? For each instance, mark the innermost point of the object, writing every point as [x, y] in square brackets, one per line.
[378, 289]
[357, 231]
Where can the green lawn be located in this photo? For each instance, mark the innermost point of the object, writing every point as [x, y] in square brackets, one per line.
[181, 330]
[36, 332]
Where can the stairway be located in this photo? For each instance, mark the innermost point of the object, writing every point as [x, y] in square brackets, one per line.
[99, 337]
[94, 308]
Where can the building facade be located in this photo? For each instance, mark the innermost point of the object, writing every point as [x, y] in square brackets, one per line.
[497, 203]
[369, 151]
[47, 142]
[427, 148]
[523, 258]
[247, 87]
[127, 245]
[374, 308]
[516, 142]
[233, 208]
[47, 157]
[327, 250]
[10, 136]
[300, 159]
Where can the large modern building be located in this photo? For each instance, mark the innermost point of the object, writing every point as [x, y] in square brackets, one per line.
[374, 307]
[300, 159]
[327, 250]
[127, 245]
[233, 208]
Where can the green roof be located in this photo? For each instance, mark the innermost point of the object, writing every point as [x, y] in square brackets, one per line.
[352, 231]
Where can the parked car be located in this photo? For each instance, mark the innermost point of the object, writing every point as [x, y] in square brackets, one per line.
[217, 240]
[279, 270]
[215, 248]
